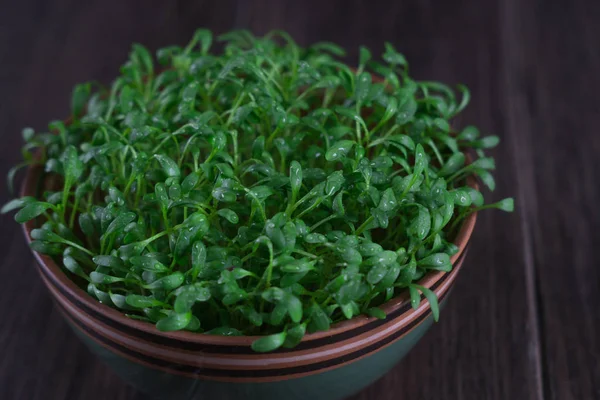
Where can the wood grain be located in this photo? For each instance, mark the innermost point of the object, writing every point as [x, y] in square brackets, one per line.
[522, 322]
[554, 114]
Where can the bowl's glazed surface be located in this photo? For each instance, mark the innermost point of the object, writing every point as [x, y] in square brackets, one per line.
[185, 365]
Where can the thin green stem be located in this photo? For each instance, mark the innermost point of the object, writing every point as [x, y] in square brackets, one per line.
[364, 225]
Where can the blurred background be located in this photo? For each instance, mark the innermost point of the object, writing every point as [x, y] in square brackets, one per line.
[523, 322]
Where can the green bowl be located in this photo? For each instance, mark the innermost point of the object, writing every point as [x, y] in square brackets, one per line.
[184, 365]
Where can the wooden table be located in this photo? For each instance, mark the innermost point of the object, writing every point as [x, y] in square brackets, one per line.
[524, 319]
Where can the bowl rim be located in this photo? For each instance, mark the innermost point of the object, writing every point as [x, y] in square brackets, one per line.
[33, 177]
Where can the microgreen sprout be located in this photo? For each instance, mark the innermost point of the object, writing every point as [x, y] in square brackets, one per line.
[266, 190]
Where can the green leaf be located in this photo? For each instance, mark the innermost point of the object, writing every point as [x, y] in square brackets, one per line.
[294, 335]
[100, 278]
[487, 142]
[297, 266]
[376, 312]
[391, 56]
[50, 249]
[507, 205]
[382, 163]
[380, 217]
[119, 301]
[224, 194]
[16, 204]
[240, 273]
[433, 301]
[138, 301]
[120, 222]
[476, 196]
[466, 97]
[485, 163]
[363, 85]
[273, 294]
[385, 257]
[370, 249]
[79, 98]
[197, 226]
[486, 177]
[441, 124]
[403, 140]
[415, 297]
[229, 215]
[319, 321]
[351, 255]
[338, 204]
[10, 177]
[329, 47]
[224, 331]
[198, 259]
[168, 165]
[450, 142]
[72, 165]
[251, 315]
[420, 160]
[315, 238]
[45, 235]
[168, 283]
[407, 107]
[377, 273]
[348, 310]
[174, 322]
[420, 225]
[73, 266]
[148, 263]
[260, 193]
[437, 261]
[31, 210]
[393, 271]
[339, 150]
[349, 113]
[388, 201]
[294, 307]
[364, 56]
[461, 198]
[126, 99]
[160, 191]
[330, 81]
[108, 261]
[295, 177]
[275, 234]
[269, 343]
[130, 250]
[278, 314]
[142, 56]
[175, 192]
[28, 134]
[205, 37]
[194, 325]
[289, 233]
[258, 147]
[469, 133]
[334, 183]
[453, 163]
[390, 110]
[190, 182]
[189, 295]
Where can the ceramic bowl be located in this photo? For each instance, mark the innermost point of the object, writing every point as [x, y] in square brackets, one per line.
[184, 365]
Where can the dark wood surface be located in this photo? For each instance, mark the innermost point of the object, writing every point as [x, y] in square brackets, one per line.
[524, 319]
